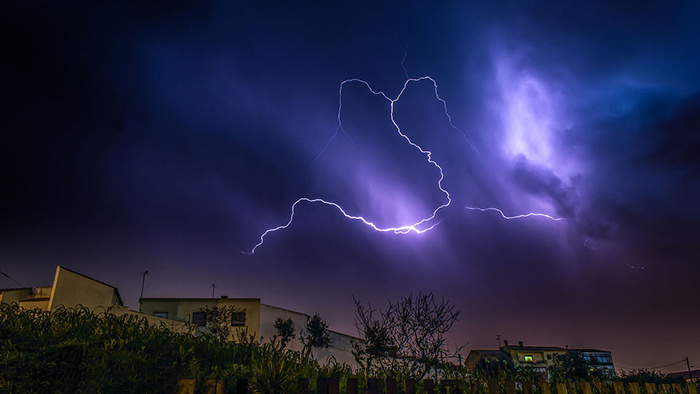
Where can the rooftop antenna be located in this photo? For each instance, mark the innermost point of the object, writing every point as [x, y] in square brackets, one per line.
[143, 282]
[213, 286]
[498, 338]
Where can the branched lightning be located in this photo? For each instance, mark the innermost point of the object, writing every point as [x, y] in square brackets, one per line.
[416, 227]
[395, 230]
[527, 215]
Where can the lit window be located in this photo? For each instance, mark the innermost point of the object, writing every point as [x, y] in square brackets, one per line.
[528, 359]
[238, 319]
[161, 314]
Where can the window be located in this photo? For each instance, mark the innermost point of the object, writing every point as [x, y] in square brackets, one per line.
[603, 359]
[161, 314]
[199, 319]
[238, 319]
[549, 357]
[528, 359]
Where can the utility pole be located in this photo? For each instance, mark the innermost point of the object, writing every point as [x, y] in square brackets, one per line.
[690, 373]
[143, 282]
[213, 286]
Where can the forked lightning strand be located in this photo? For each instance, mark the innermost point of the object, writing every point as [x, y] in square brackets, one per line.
[415, 227]
[527, 215]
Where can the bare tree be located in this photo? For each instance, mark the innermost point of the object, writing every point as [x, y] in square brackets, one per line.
[408, 338]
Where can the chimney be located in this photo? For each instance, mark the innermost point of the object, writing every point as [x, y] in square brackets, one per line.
[505, 343]
[224, 296]
[520, 343]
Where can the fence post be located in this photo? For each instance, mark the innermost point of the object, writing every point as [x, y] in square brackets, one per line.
[677, 388]
[665, 387]
[618, 388]
[428, 386]
[214, 386]
[634, 388]
[586, 388]
[527, 388]
[545, 388]
[185, 386]
[692, 388]
[603, 388]
[493, 386]
[241, 386]
[409, 386]
[372, 386]
[561, 388]
[351, 384]
[510, 387]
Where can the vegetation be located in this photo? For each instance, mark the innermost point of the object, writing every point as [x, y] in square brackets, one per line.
[75, 350]
[407, 339]
[284, 332]
[316, 335]
[648, 376]
[218, 320]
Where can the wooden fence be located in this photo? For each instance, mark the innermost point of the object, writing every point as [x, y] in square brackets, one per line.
[429, 386]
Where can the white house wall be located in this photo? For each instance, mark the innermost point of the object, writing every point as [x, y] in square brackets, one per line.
[341, 344]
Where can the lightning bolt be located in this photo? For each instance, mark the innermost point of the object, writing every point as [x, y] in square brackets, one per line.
[527, 215]
[416, 227]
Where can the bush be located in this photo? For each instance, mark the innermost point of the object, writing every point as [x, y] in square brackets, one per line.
[71, 350]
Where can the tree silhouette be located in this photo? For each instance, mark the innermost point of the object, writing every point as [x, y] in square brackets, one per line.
[316, 335]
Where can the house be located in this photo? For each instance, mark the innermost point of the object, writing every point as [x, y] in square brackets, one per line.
[540, 358]
[251, 317]
[536, 358]
[598, 359]
[71, 289]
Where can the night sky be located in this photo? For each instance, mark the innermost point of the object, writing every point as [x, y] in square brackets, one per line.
[169, 137]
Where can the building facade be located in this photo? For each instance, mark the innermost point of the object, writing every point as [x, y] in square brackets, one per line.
[70, 289]
[251, 318]
[540, 358]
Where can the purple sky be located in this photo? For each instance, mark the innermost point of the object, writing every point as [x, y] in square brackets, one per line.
[142, 137]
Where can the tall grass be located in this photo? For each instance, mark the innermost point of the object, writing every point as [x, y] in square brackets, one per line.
[73, 350]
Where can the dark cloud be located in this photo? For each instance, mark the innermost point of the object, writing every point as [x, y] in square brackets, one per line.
[543, 182]
[169, 138]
